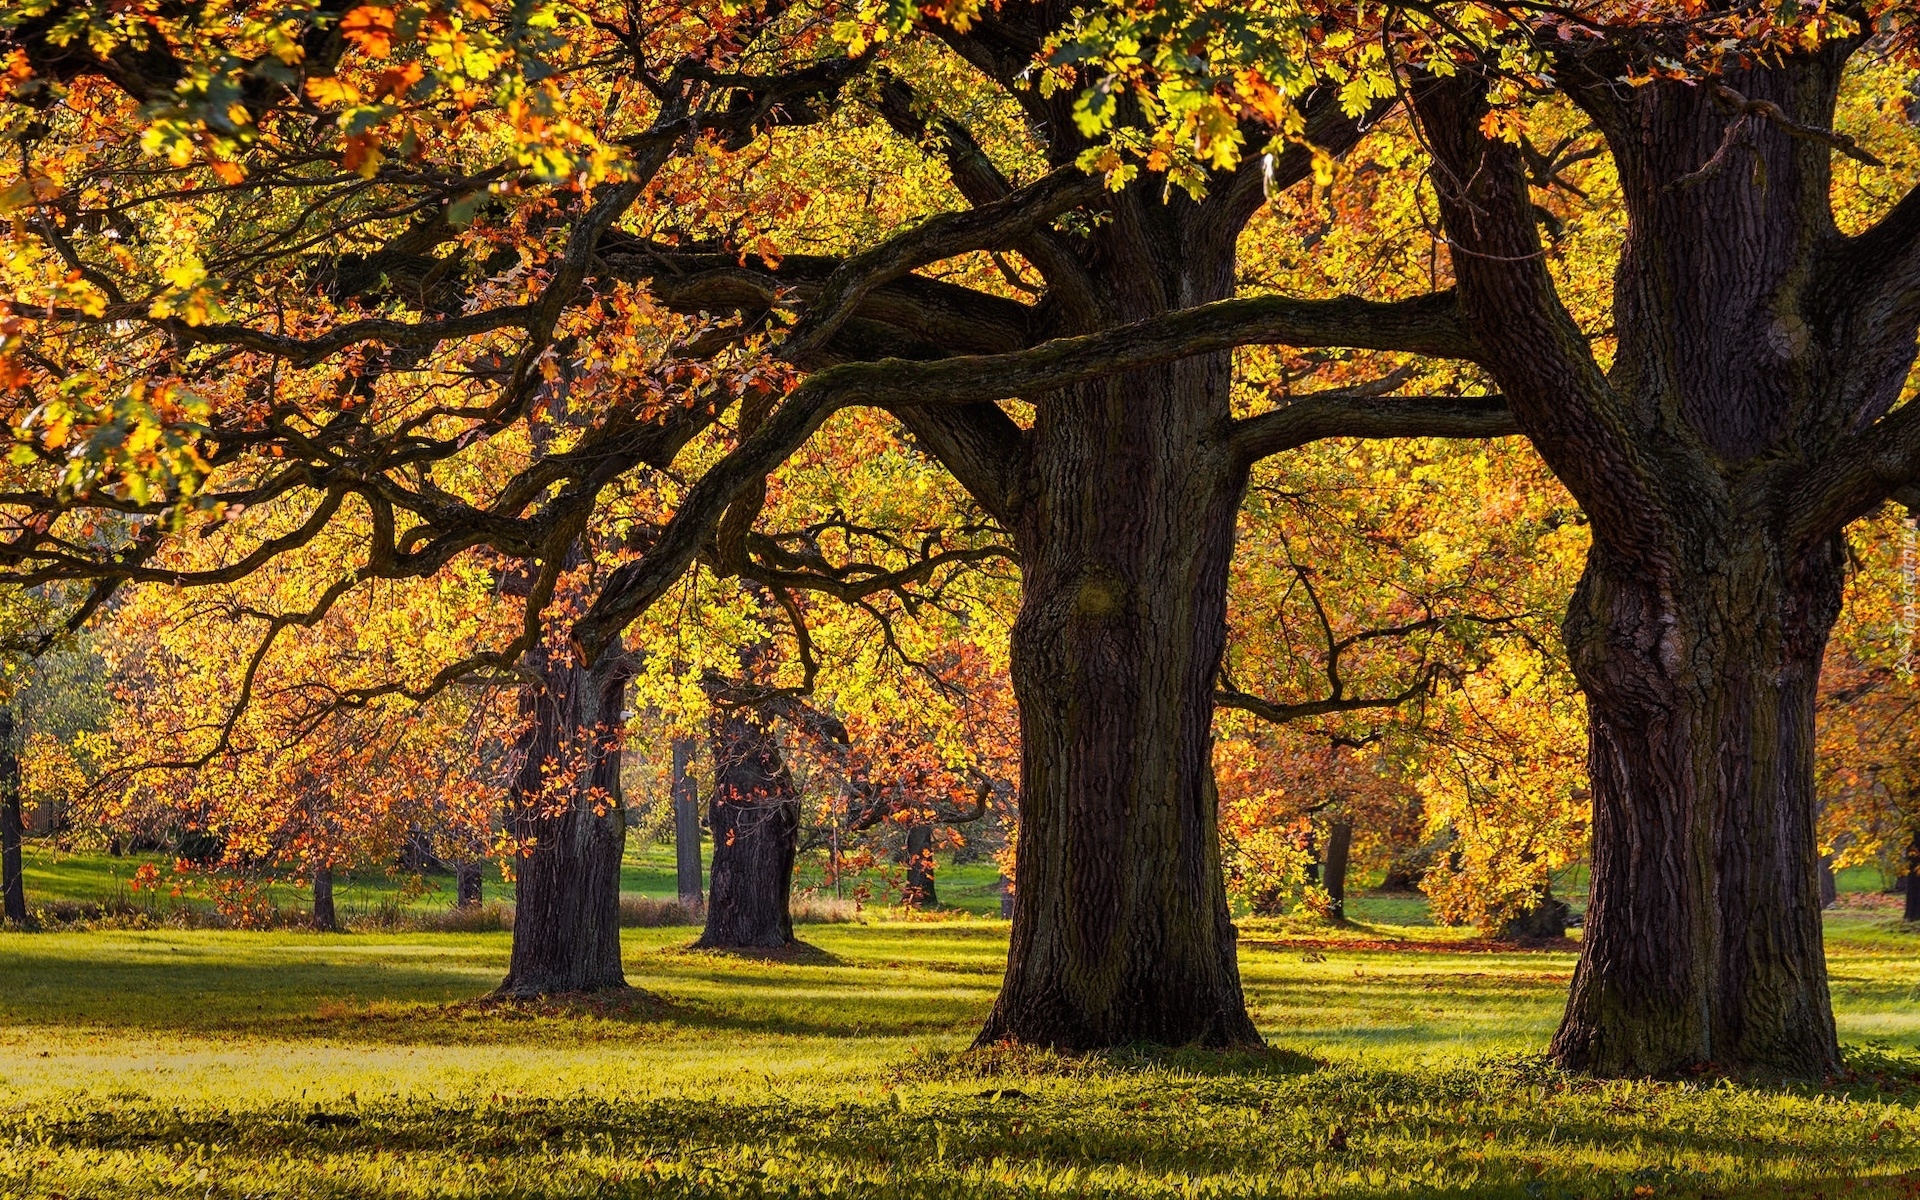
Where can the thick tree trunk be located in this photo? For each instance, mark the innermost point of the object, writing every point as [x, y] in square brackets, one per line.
[755, 819]
[920, 891]
[1125, 534]
[1702, 943]
[686, 823]
[325, 919]
[1339, 844]
[565, 800]
[467, 882]
[1751, 349]
[12, 877]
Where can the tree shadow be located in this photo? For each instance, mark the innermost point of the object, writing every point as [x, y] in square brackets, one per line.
[795, 953]
[1009, 1060]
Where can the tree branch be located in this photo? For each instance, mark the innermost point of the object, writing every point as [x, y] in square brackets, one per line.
[1531, 346]
[1356, 415]
[1424, 325]
[1862, 472]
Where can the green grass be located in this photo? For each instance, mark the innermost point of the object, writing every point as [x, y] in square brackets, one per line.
[226, 1064]
[648, 870]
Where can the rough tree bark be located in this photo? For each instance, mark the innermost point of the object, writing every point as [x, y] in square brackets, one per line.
[325, 919]
[754, 814]
[1718, 459]
[12, 879]
[686, 823]
[565, 800]
[1334, 877]
[1125, 536]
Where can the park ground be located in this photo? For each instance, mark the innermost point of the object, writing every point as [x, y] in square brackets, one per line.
[1403, 1060]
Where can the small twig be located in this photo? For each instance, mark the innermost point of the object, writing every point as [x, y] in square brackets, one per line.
[1740, 132]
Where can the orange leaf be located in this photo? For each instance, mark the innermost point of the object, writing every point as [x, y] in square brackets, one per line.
[370, 28]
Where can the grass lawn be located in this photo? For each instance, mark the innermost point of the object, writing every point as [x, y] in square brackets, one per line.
[228, 1064]
[648, 870]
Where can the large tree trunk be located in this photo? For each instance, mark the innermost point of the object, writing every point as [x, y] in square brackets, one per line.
[565, 800]
[755, 818]
[686, 823]
[1702, 942]
[12, 878]
[1743, 362]
[1125, 534]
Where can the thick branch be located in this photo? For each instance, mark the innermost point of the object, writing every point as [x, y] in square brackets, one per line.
[1281, 714]
[1877, 464]
[1531, 345]
[1426, 325]
[1345, 414]
[991, 227]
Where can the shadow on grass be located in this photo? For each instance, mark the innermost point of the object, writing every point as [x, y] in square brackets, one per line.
[1008, 1060]
[796, 954]
[348, 992]
[1155, 1126]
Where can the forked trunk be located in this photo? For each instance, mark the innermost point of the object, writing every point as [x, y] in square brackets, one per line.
[1752, 345]
[1702, 943]
[565, 802]
[12, 878]
[1121, 932]
[755, 818]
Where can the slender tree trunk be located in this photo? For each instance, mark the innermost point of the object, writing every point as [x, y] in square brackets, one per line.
[1829, 886]
[12, 876]
[1702, 943]
[325, 920]
[920, 891]
[1125, 534]
[755, 818]
[1339, 844]
[467, 885]
[565, 800]
[686, 822]
[1912, 912]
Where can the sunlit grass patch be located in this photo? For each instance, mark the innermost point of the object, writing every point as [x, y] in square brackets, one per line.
[200, 1063]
